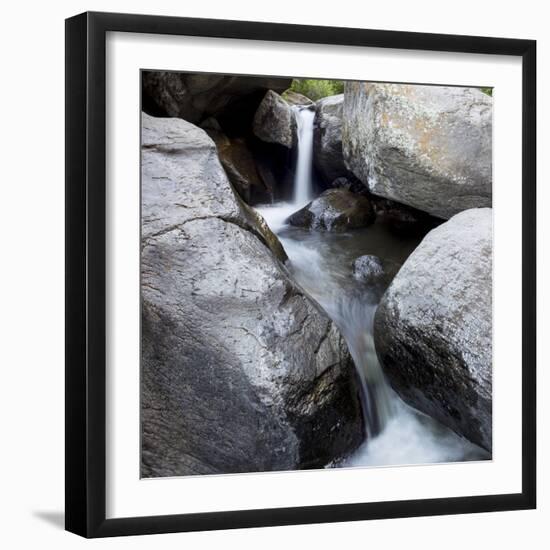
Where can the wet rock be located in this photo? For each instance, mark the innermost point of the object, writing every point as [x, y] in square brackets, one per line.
[262, 231]
[334, 210]
[241, 371]
[368, 269]
[433, 327]
[428, 147]
[274, 121]
[327, 138]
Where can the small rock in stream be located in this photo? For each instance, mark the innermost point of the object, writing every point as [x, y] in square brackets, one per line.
[368, 269]
[335, 210]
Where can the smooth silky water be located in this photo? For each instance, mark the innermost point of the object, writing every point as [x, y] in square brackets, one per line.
[321, 262]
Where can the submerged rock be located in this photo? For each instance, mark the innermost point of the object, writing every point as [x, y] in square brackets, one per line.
[274, 121]
[334, 210]
[327, 138]
[241, 371]
[433, 327]
[429, 147]
[368, 269]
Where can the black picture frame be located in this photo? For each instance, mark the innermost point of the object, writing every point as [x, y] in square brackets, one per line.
[86, 274]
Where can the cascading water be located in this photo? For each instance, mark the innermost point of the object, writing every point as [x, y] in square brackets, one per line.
[321, 264]
[326, 277]
[303, 189]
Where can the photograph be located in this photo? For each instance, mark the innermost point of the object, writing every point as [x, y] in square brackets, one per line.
[315, 274]
[274, 276]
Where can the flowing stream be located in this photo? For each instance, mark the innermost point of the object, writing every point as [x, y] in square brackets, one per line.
[321, 262]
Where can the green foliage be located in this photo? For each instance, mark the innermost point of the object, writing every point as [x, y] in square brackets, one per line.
[316, 89]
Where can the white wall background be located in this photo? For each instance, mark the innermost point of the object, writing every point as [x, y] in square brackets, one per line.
[32, 272]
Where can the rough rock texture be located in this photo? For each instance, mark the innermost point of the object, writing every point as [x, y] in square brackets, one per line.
[240, 166]
[295, 98]
[368, 269]
[274, 121]
[327, 138]
[425, 146]
[334, 210]
[240, 370]
[195, 97]
[433, 327]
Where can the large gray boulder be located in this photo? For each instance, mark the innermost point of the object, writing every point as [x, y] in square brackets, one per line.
[241, 371]
[274, 121]
[334, 210]
[195, 97]
[327, 138]
[433, 327]
[428, 147]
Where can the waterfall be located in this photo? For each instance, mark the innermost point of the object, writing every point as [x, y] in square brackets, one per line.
[353, 311]
[321, 265]
[303, 189]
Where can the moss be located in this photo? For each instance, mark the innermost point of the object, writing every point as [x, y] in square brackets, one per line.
[315, 89]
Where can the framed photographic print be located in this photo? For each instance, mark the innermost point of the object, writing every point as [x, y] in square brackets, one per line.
[300, 274]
